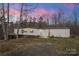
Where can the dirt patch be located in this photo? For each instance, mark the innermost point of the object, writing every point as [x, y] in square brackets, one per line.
[39, 49]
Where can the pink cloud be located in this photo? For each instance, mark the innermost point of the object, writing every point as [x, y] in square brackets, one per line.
[44, 12]
[37, 12]
[14, 12]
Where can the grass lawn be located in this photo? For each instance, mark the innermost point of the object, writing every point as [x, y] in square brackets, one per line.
[40, 46]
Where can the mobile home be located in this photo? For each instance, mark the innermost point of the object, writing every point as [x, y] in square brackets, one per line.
[44, 33]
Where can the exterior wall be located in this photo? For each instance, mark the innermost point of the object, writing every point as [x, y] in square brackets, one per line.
[44, 33]
[27, 31]
[60, 32]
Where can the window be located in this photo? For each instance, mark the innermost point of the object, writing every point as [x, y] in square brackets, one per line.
[23, 31]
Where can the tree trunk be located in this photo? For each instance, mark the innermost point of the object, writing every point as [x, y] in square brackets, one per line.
[3, 25]
[4, 32]
[8, 21]
[20, 21]
[48, 28]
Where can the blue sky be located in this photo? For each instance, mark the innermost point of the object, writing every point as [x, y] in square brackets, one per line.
[55, 6]
[47, 8]
[66, 8]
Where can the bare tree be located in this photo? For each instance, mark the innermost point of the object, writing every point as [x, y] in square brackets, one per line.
[48, 27]
[27, 9]
[33, 22]
[3, 22]
[54, 20]
[60, 15]
[75, 27]
[7, 20]
[40, 22]
[75, 19]
[20, 20]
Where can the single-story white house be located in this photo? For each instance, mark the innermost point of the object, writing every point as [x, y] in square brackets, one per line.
[44, 33]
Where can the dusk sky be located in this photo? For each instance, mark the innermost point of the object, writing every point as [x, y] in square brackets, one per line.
[46, 9]
[50, 8]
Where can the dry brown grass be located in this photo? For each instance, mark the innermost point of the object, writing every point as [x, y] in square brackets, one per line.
[62, 46]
